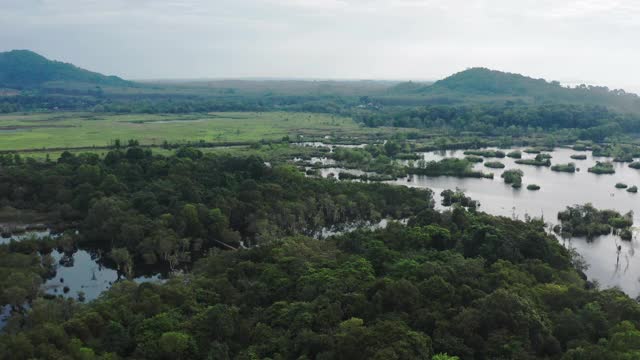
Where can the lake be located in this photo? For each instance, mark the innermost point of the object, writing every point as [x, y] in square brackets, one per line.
[558, 190]
[82, 271]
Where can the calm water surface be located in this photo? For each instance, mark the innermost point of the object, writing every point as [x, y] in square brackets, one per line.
[83, 272]
[558, 190]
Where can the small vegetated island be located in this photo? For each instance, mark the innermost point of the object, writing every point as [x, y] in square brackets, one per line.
[539, 160]
[474, 159]
[579, 157]
[516, 154]
[635, 165]
[494, 165]
[486, 153]
[602, 168]
[633, 189]
[513, 177]
[458, 197]
[374, 158]
[620, 152]
[621, 186]
[627, 158]
[570, 167]
[447, 167]
[586, 220]
[533, 187]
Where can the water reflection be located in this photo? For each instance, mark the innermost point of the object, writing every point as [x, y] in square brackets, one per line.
[79, 272]
[5, 313]
[82, 272]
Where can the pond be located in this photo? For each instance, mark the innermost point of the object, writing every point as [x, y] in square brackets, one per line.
[83, 272]
[5, 313]
[558, 190]
[80, 272]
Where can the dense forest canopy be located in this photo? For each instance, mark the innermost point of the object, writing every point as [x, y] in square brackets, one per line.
[164, 209]
[585, 121]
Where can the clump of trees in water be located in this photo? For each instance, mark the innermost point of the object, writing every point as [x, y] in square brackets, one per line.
[494, 165]
[570, 167]
[486, 153]
[458, 197]
[513, 177]
[376, 158]
[620, 152]
[516, 154]
[539, 160]
[474, 159]
[579, 157]
[586, 220]
[447, 167]
[602, 168]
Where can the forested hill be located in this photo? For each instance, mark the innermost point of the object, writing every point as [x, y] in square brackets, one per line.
[481, 84]
[485, 81]
[24, 69]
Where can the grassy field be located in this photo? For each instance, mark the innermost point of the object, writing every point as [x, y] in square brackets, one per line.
[82, 130]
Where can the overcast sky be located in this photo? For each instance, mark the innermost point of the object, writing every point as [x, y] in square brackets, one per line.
[595, 41]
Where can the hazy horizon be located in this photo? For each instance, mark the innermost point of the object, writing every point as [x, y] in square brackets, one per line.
[571, 41]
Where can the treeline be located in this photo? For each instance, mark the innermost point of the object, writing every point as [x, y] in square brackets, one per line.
[96, 101]
[465, 284]
[587, 122]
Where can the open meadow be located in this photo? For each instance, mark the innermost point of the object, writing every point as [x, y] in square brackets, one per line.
[55, 131]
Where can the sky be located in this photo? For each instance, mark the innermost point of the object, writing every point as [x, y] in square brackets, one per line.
[573, 41]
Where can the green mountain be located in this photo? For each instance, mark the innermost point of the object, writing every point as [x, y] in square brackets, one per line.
[23, 69]
[491, 82]
[485, 85]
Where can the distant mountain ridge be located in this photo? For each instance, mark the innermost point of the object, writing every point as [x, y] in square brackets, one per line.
[24, 69]
[482, 84]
